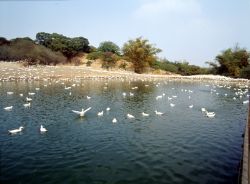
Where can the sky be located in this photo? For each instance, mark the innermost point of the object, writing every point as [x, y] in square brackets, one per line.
[191, 30]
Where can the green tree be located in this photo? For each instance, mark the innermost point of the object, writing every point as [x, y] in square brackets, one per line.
[68, 46]
[108, 46]
[141, 53]
[231, 62]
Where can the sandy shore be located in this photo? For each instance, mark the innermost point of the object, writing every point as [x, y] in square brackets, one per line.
[10, 71]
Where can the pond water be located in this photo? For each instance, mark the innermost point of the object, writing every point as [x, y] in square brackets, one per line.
[180, 146]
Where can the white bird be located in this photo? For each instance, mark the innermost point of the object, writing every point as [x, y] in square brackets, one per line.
[37, 89]
[191, 106]
[158, 113]
[124, 94]
[28, 99]
[210, 114]
[67, 88]
[8, 108]
[16, 130]
[21, 94]
[169, 98]
[172, 105]
[81, 113]
[10, 93]
[174, 96]
[130, 116]
[42, 129]
[203, 109]
[158, 97]
[245, 102]
[88, 97]
[26, 105]
[114, 120]
[31, 93]
[144, 114]
[108, 109]
[100, 113]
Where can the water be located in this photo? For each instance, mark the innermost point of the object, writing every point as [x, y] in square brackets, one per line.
[181, 146]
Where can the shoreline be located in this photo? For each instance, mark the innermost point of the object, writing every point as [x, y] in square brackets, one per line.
[15, 71]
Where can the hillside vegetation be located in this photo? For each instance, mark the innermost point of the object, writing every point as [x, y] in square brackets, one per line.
[52, 49]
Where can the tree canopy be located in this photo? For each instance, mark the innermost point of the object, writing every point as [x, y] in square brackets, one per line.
[231, 62]
[68, 46]
[140, 52]
[108, 46]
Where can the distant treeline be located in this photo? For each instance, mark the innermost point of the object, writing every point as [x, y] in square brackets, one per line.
[52, 49]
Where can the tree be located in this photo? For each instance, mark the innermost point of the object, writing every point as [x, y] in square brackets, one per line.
[3, 41]
[108, 46]
[24, 49]
[231, 62]
[141, 53]
[68, 46]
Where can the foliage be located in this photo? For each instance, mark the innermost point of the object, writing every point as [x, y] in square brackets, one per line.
[108, 46]
[245, 72]
[89, 63]
[165, 65]
[94, 55]
[231, 62]
[123, 65]
[140, 53]
[68, 46]
[183, 68]
[109, 60]
[25, 49]
[3, 41]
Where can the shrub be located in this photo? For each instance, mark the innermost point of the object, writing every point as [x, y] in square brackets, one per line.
[24, 49]
[94, 55]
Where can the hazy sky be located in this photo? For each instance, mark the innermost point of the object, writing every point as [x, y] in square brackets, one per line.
[195, 30]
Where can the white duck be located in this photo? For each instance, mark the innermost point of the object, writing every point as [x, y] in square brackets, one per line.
[26, 105]
[158, 113]
[114, 120]
[81, 113]
[108, 109]
[8, 108]
[191, 106]
[130, 116]
[28, 99]
[42, 129]
[210, 114]
[203, 109]
[172, 105]
[10, 93]
[16, 130]
[144, 114]
[100, 113]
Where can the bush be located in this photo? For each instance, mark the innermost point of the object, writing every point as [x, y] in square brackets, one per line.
[109, 60]
[109, 46]
[94, 55]
[89, 63]
[245, 72]
[24, 49]
[123, 65]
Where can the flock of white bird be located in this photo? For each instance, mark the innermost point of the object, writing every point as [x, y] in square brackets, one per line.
[239, 93]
